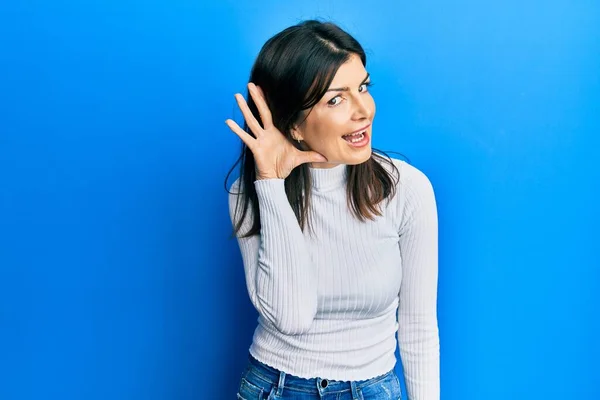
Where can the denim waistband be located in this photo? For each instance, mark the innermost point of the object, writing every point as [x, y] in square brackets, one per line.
[275, 377]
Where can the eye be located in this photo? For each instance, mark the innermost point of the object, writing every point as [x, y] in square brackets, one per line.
[332, 102]
[364, 87]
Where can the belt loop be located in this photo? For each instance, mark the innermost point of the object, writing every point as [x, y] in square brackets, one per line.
[281, 383]
[354, 391]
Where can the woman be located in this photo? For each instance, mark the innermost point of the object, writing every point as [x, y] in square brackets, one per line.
[336, 240]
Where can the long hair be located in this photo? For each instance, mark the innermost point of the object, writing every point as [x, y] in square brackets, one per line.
[294, 69]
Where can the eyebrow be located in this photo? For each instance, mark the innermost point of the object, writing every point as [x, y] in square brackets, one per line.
[345, 88]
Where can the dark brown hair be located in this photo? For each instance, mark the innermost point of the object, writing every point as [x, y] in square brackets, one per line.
[294, 69]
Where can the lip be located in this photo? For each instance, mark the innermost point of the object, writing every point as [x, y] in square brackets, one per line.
[359, 130]
[362, 143]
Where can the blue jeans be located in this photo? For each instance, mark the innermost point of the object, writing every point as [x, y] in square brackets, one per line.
[262, 382]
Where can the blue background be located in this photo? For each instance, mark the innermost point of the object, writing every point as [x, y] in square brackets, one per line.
[117, 278]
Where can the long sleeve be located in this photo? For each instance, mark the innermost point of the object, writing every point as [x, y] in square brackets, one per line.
[280, 276]
[418, 336]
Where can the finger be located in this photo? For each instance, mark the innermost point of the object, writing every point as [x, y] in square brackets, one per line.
[259, 99]
[248, 116]
[311, 157]
[245, 136]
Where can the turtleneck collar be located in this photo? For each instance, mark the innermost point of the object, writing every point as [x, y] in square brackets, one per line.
[329, 178]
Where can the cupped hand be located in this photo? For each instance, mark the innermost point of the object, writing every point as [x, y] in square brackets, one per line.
[275, 156]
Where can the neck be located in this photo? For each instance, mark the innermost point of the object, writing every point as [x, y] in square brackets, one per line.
[323, 165]
[331, 177]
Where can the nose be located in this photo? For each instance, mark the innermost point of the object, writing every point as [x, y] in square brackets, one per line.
[362, 109]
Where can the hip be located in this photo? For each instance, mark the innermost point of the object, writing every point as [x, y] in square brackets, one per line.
[262, 382]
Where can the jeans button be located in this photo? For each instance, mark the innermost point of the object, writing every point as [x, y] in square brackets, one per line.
[324, 383]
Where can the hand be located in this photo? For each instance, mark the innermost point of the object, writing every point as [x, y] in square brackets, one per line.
[274, 154]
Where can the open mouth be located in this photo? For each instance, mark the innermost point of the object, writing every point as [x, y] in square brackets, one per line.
[355, 137]
[358, 138]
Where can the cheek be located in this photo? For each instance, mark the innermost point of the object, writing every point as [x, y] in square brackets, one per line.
[329, 125]
[340, 119]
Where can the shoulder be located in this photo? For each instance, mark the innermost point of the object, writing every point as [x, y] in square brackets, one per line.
[413, 178]
[417, 204]
[409, 177]
[414, 193]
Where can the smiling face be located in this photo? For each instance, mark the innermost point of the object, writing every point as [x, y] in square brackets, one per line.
[346, 107]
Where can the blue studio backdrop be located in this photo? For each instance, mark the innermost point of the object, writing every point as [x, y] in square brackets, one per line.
[117, 277]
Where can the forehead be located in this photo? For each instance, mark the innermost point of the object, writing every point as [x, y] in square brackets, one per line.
[349, 73]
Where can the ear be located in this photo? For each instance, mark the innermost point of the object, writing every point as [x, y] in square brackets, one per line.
[296, 134]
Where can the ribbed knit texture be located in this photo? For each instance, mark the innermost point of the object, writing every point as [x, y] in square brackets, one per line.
[330, 305]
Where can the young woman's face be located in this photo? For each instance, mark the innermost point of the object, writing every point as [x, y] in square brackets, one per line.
[347, 107]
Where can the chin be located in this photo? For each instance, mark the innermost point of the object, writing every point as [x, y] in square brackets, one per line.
[359, 159]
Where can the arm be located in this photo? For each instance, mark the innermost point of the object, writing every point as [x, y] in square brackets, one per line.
[280, 276]
[418, 336]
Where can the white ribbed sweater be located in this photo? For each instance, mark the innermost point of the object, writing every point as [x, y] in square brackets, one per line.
[328, 303]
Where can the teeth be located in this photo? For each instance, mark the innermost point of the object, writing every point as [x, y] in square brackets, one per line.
[355, 134]
[357, 137]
